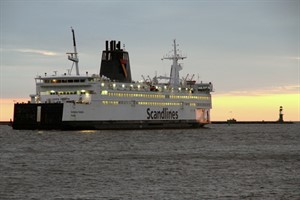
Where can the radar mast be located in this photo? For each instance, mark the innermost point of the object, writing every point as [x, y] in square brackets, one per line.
[73, 56]
[176, 67]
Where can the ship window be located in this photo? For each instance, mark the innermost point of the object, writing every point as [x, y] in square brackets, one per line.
[158, 103]
[76, 81]
[110, 102]
[70, 81]
[104, 92]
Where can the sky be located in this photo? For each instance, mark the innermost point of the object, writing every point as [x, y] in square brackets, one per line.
[248, 49]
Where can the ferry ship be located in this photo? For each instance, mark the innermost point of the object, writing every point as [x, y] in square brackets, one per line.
[112, 100]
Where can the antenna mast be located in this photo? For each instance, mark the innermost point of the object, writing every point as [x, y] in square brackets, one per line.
[176, 67]
[73, 56]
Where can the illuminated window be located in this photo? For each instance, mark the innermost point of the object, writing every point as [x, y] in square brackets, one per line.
[110, 102]
[104, 92]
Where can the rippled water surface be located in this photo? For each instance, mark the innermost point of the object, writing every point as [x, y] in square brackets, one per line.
[252, 161]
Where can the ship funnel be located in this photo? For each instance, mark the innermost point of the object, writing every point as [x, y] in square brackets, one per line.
[106, 45]
[115, 63]
[119, 45]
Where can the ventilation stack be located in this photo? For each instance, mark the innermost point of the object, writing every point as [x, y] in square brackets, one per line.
[115, 63]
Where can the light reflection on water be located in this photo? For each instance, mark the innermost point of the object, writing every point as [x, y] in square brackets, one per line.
[88, 131]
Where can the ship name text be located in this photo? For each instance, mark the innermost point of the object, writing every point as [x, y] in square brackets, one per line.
[165, 113]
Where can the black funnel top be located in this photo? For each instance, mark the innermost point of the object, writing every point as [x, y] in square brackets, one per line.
[115, 62]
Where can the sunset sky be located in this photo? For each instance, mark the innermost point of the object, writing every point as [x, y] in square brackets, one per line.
[248, 49]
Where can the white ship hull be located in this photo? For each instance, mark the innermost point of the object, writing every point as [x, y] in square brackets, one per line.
[134, 116]
[69, 117]
[109, 113]
[133, 110]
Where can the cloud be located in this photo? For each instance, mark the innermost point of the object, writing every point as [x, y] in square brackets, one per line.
[287, 89]
[32, 51]
[292, 57]
[38, 51]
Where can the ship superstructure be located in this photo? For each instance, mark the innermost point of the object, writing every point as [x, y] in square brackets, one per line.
[111, 100]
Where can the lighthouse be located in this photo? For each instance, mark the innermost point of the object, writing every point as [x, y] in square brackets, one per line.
[280, 120]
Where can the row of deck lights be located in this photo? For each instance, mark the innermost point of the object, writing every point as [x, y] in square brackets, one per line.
[52, 92]
[114, 85]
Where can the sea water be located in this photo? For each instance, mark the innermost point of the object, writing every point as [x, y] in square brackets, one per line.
[237, 161]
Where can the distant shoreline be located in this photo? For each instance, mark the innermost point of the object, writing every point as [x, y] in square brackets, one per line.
[252, 122]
